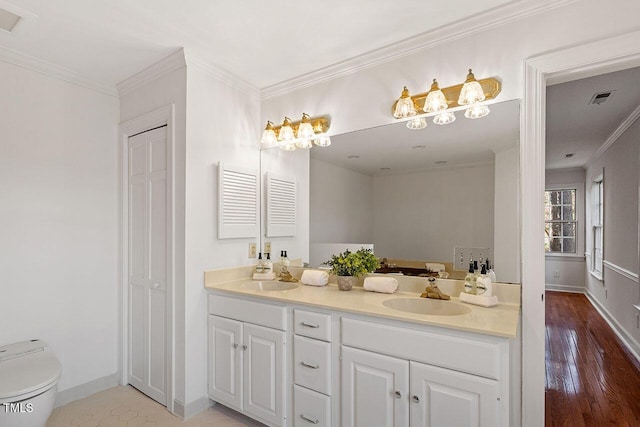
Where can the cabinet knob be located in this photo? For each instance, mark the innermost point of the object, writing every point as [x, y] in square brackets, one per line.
[235, 346]
[244, 347]
[398, 395]
[416, 399]
[311, 420]
[309, 325]
[308, 365]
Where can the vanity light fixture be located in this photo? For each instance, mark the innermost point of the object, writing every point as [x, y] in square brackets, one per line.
[417, 123]
[441, 103]
[301, 134]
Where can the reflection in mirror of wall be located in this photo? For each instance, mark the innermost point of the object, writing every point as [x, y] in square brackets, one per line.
[418, 194]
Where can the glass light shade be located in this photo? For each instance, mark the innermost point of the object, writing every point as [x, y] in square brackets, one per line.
[476, 112]
[405, 106]
[436, 101]
[286, 131]
[305, 131]
[444, 118]
[323, 141]
[471, 91]
[269, 136]
[304, 143]
[417, 123]
[288, 146]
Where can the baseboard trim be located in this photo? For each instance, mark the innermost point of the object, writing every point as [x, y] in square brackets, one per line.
[192, 408]
[565, 288]
[87, 389]
[632, 345]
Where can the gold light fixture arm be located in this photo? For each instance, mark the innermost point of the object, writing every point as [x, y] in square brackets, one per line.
[491, 87]
[320, 124]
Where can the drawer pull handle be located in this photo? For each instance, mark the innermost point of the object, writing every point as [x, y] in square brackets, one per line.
[309, 325]
[235, 345]
[398, 395]
[307, 365]
[312, 421]
[244, 347]
[416, 399]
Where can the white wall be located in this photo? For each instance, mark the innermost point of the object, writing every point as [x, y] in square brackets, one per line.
[617, 293]
[59, 222]
[566, 272]
[424, 215]
[341, 205]
[222, 125]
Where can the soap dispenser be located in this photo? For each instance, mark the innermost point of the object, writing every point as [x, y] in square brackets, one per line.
[268, 265]
[260, 266]
[483, 284]
[470, 281]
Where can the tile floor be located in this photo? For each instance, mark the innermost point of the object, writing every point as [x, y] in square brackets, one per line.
[127, 407]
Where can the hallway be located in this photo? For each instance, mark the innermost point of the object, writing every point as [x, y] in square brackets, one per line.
[591, 378]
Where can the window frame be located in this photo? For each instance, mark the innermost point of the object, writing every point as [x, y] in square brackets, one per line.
[580, 220]
[597, 223]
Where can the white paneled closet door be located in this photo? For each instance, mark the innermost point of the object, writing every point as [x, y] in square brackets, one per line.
[148, 205]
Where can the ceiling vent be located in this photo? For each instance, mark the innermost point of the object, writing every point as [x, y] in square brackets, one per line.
[601, 97]
[8, 20]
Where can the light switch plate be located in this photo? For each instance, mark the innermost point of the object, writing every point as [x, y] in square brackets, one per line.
[267, 247]
[252, 250]
[462, 256]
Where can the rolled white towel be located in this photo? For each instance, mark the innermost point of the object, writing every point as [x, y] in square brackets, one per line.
[435, 266]
[386, 285]
[315, 277]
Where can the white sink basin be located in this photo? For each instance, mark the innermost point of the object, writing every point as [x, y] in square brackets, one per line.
[268, 285]
[433, 307]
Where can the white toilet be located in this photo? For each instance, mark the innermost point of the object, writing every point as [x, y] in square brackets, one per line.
[29, 373]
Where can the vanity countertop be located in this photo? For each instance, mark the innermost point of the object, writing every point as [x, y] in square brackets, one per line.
[501, 320]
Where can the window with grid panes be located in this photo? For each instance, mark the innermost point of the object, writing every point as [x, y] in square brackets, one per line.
[560, 221]
[598, 213]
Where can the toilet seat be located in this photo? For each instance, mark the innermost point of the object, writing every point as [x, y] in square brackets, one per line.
[27, 369]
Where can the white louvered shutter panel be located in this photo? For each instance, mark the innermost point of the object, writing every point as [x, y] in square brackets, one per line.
[237, 202]
[281, 206]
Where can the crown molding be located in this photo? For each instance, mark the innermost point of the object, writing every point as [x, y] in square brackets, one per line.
[617, 133]
[222, 75]
[171, 63]
[464, 28]
[52, 70]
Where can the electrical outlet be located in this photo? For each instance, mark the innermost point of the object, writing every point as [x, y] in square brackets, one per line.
[267, 247]
[252, 250]
[556, 274]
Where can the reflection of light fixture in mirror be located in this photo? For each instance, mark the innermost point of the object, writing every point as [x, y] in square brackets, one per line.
[304, 143]
[405, 106]
[417, 123]
[269, 136]
[471, 92]
[436, 101]
[286, 131]
[323, 141]
[444, 118]
[476, 111]
[288, 146]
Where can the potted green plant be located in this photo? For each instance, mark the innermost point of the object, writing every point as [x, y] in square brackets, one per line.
[348, 266]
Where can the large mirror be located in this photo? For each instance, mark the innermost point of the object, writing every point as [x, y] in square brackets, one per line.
[414, 195]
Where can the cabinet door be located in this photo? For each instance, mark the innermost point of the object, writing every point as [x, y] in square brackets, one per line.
[225, 361]
[441, 397]
[264, 373]
[374, 389]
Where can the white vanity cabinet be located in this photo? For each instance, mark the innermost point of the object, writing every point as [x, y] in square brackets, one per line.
[397, 376]
[247, 357]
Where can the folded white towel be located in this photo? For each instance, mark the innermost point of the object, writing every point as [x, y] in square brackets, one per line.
[386, 285]
[315, 277]
[435, 266]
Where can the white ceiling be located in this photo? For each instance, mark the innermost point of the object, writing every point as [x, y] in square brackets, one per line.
[576, 126]
[262, 42]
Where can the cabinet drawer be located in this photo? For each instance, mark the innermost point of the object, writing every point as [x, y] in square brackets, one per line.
[480, 356]
[313, 325]
[269, 315]
[312, 364]
[310, 408]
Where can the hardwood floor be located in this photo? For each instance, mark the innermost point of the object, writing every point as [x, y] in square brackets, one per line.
[591, 378]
